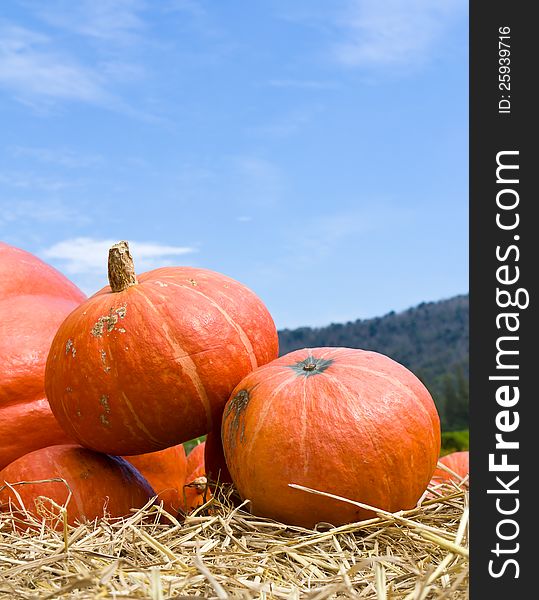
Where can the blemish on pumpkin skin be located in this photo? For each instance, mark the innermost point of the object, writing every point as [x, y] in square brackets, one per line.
[193, 282]
[104, 417]
[108, 322]
[236, 408]
[160, 283]
[70, 347]
[106, 368]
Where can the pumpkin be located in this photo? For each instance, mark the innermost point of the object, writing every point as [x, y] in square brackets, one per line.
[214, 459]
[338, 420]
[100, 484]
[34, 300]
[166, 471]
[195, 458]
[458, 462]
[149, 361]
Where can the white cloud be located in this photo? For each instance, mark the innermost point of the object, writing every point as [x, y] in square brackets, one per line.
[87, 256]
[393, 33]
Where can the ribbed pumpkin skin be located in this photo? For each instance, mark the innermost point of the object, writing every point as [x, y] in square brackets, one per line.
[458, 462]
[34, 300]
[95, 479]
[152, 366]
[357, 425]
[165, 470]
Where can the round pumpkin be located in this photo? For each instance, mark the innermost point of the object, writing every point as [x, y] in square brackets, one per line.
[34, 299]
[342, 421]
[458, 462]
[214, 459]
[166, 471]
[149, 361]
[100, 484]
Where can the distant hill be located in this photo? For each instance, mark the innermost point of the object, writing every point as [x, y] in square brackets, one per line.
[430, 339]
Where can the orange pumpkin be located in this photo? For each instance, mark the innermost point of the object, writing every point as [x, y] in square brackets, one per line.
[100, 484]
[195, 458]
[150, 361]
[458, 462]
[34, 300]
[342, 421]
[166, 471]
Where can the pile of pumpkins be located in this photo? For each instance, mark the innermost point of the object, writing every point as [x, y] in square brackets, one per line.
[98, 396]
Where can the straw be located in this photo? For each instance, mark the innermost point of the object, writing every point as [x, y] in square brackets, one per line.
[223, 552]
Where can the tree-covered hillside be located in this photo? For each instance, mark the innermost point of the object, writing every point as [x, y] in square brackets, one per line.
[430, 339]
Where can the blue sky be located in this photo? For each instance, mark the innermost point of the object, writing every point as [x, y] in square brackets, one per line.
[315, 151]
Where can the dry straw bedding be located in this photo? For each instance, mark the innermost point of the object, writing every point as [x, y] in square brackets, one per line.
[221, 551]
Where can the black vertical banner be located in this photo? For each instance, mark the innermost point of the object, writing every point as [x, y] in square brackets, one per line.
[504, 268]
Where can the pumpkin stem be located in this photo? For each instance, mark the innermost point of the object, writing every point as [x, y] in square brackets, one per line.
[121, 267]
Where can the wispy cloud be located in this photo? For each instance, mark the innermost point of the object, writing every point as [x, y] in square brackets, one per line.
[88, 256]
[30, 67]
[54, 156]
[113, 21]
[393, 33]
[40, 74]
[289, 123]
[323, 235]
[32, 181]
[29, 212]
[191, 7]
[303, 84]
[257, 181]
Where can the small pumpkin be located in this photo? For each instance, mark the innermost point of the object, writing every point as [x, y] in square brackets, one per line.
[458, 462]
[166, 471]
[150, 361]
[343, 421]
[100, 484]
[195, 458]
[34, 299]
